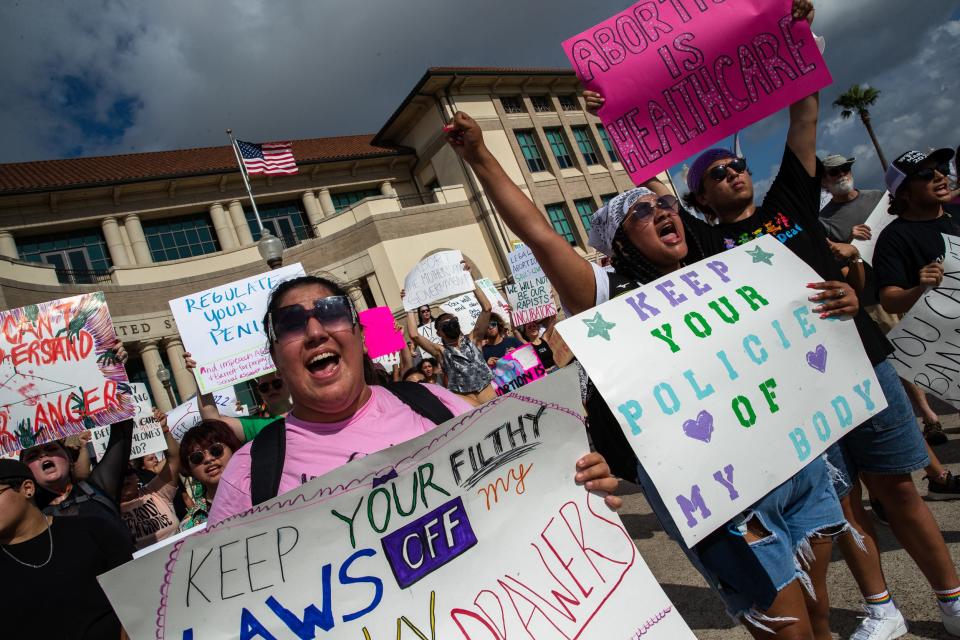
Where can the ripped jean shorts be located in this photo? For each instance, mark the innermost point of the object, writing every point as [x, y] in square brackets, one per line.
[748, 576]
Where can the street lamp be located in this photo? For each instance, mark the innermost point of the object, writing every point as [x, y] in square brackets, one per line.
[163, 375]
[270, 248]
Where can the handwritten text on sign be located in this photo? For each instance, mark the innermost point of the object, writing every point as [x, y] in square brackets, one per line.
[523, 264]
[438, 276]
[927, 340]
[475, 530]
[223, 331]
[59, 371]
[678, 76]
[147, 434]
[186, 416]
[742, 365]
[518, 368]
[531, 300]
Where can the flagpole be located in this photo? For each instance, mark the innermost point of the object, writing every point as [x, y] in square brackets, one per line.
[246, 179]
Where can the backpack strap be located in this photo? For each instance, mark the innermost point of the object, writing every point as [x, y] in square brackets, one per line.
[419, 398]
[267, 453]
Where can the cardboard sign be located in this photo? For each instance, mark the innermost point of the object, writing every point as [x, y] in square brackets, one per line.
[724, 380]
[380, 334]
[466, 308]
[222, 328]
[100, 438]
[678, 77]
[147, 434]
[523, 264]
[473, 530]
[497, 303]
[877, 221]
[186, 416]
[438, 276]
[429, 332]
[927, 340]
[518, 368]
[389, 361]
[531, 300]
[59, 371]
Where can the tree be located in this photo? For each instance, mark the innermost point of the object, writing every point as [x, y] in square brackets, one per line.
[858, 99]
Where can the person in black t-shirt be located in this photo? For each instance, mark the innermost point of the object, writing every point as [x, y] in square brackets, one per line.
[51, 565]
[530, 334]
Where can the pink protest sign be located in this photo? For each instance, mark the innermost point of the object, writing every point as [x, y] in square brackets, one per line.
[379, 332]
[516, 369]
[678, 76]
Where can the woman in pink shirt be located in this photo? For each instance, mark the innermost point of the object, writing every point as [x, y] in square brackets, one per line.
[317, 346]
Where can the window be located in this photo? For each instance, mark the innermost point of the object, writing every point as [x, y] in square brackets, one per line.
[582, 136]
[284, 220]
[344, 199]
[531, 151]
[569, 103]
[176, 238]
[561, 221]
[559, 147]
[541, 104]
[511, 104]
[80, 257]
[585, 211]
[607, 197]
[607, 144]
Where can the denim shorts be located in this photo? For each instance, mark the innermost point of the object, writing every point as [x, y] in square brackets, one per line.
[748, 575]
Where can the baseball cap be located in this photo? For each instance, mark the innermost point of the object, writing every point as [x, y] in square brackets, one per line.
[836, 160]
[909, 163]
[11, 469]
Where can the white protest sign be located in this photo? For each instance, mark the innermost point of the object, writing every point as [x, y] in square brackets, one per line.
[877, 221]
[418, 537]
[147, 434]
[523, 264]
[100, 438]
[927, 339]
[388, 360]
[497, 303]
[466, 308]
[725, 380]
[438, 276]
[186, 416]
[429, 332]
[531, 300]
[60, 373]
[222, 328]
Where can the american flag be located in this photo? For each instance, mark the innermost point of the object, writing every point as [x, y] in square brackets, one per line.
[269, 158]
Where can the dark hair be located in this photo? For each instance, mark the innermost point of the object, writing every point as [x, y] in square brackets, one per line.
[496, 317]
[295, 283]
[420, 322]
[374, 374]
[410, 372]
[629, 262]
[897, 203]
[442, 316]
[202, 436]
[15, 483]
[432, 361]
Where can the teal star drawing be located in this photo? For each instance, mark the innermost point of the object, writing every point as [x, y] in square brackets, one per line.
[759, 255]
[599, 327]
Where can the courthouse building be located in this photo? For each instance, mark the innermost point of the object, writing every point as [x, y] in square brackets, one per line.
[145, 228]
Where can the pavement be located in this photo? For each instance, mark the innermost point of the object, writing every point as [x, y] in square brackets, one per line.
[704, 612]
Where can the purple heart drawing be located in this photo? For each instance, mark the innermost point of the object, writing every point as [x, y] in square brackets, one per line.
[701, 428]
[818, 358]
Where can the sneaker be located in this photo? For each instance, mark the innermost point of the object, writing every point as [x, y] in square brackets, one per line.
[878, 511]
[949, 489]
[951, 624]
[933, 432]
[877, 627]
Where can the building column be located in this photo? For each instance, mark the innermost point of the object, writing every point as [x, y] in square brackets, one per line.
[141, 252]
[226, 234]
[244, 237]
[8, 246]
[312, 207]
[386, 189]
[186, 383]
[126, 244]
[326, 202]
[111, 233]
[150, 354]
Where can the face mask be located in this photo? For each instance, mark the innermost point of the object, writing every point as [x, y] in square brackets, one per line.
[451, 329]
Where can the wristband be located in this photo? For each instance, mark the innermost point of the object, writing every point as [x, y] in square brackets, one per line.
[857, 260]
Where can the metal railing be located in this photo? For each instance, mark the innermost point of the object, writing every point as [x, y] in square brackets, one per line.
[78, 276]
[417, 199]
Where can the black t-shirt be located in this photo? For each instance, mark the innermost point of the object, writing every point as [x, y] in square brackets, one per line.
[499, 350]
[790, 213]
[62, 599]
[545, 353]
[906, 246]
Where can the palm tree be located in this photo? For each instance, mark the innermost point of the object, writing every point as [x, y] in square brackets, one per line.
[858, 99]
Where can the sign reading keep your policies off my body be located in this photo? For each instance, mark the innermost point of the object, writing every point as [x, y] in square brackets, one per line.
[724, 380]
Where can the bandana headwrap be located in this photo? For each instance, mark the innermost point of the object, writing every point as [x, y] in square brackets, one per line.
[608, 218]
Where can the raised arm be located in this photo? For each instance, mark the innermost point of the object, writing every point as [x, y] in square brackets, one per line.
[802, 132]
[207, 405]
[172, 467]
[570, 274]
[480, 328]
[430, 347]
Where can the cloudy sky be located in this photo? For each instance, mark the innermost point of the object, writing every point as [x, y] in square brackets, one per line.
[84, 77]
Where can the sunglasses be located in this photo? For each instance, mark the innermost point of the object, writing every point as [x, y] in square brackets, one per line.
[643, 210]
[277, 384]
[833, 172]
[196, 457]
[719, 172]
[335, 313]
[493, 324]
[35, 452]
[928, 173]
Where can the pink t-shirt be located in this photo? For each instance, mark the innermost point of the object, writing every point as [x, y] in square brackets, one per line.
[315, 448]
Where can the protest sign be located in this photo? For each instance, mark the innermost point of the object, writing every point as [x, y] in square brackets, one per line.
[466, 308]
[380, 334]
[677, 77]
[926, 342]
[473, 530]
[99, 439]
[523, 264]
[717, 362]
[437, 276]
[59, 371]
[186, 416]
[516, 369]
[877, 221]
[531, 300]
[147, 434]
[497, 303]
[222, 328]
[388, 360]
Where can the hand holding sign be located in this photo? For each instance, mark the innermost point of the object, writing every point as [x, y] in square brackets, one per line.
[437, 276]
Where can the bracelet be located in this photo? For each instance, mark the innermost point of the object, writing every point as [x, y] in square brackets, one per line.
[857, 260]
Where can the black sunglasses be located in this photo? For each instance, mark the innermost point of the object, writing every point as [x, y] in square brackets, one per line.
[928, 173]
[493, 324]
[196, 457]
[643, 209]
[719, 172]
[276, 383]
[334, 313]
[833, 172]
